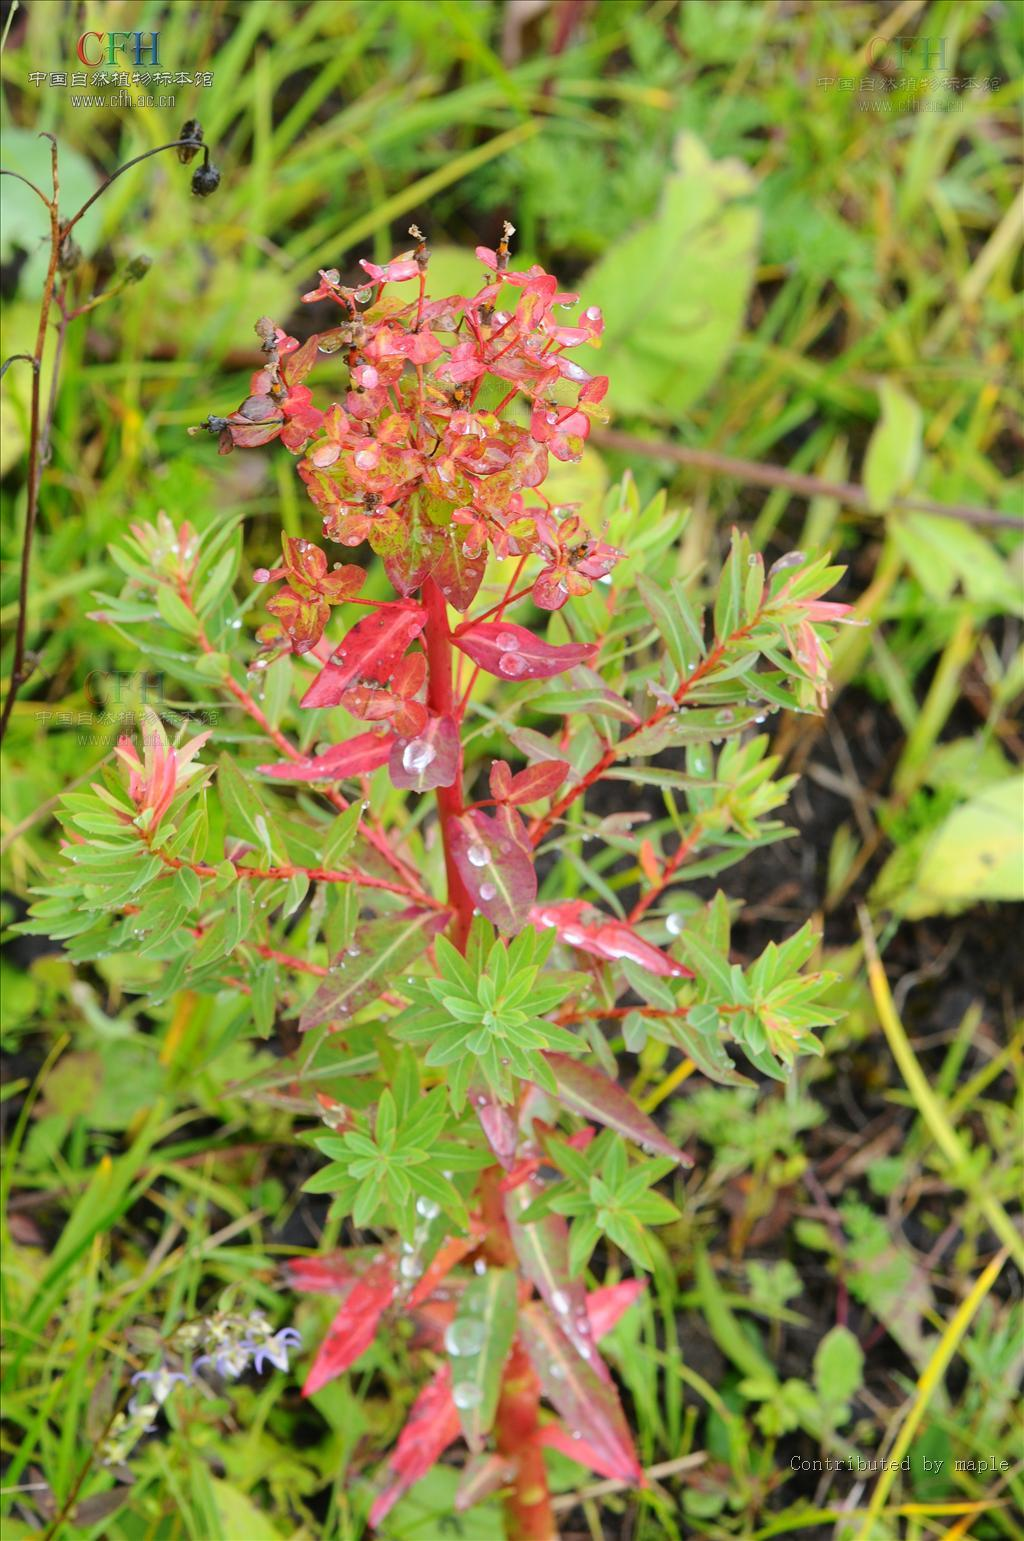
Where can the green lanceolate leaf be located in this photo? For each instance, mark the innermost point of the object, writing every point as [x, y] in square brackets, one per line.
[478, 1341]
[366, 967]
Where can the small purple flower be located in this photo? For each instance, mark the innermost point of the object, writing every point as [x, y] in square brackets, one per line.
[161, 1383]
[275, 1352]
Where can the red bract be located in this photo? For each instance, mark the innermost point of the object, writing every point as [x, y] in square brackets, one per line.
[529, 785]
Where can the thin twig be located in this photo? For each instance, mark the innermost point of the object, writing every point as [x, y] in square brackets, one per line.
[795, 481]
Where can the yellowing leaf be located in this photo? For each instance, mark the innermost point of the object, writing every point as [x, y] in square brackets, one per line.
[976, 854]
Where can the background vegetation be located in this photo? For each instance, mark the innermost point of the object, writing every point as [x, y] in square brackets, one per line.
[793, 277]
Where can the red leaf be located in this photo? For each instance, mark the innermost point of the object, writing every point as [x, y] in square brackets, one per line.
[586, 1402]
[353, 1328]
[432, 1425]
[495, 861]
[498, 1125]
[430, 759]
[355, 757]
[605, 938]
[409, 675]
[331, 1275]
[556, 1438]
[444, 1260]
[607, 1304]
[542, 1247]
[370, 651]
[537, 781]
[501, 780]
[588, 1091]
[512, 652]
[303, 619]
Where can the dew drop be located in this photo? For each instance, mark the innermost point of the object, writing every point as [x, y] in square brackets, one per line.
[512, 664]
[507, 641]
[464, 1336]
[467, 1394]
[417, 755]
[477, 856]
[410, 1267]
[560, 1301]
[674, 925]
[480, 1267]
[428, 1209]
[487, 891]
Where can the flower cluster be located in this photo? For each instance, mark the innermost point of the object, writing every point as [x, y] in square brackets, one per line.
[438, 447]
[232, 1344]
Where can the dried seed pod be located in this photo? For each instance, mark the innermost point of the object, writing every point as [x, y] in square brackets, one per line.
[205, 180]
[193, 132]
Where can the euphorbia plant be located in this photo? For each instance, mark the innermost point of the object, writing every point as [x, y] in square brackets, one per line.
[464, 876]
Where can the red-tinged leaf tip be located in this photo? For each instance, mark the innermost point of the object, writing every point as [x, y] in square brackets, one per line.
[605, 938]
[556, 1438]
[588, 1091]
[512, 652]
[608, 1303]
[355, 757]
[498, 1125]
[353, 1328]
[432, 1425]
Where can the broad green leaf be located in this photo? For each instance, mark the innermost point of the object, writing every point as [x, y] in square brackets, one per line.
[478, 1341]
[674, 292]
[894, 452]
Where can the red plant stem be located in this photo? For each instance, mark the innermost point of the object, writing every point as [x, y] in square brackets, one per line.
[668, 872]
[441, 701]
[528, 1514]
